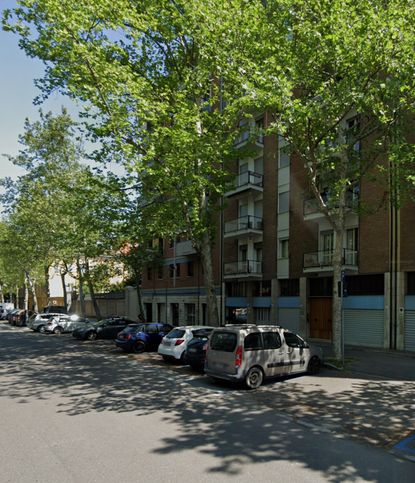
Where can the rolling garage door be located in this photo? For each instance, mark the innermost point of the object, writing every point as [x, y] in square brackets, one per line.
[409, 330]
[364, 327]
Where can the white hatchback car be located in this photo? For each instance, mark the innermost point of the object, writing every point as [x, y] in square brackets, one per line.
[174, 344]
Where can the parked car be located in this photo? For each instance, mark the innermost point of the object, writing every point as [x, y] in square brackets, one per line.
[55, 309]
[103, 329]
[38, 322]
[174, 344]
[142, 337]
[5, 308]
[196, 349]
[19, 319]
[65, 323]
[11, 315]
[251, 353]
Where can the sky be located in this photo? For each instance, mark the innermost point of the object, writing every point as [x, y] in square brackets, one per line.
[17, 91]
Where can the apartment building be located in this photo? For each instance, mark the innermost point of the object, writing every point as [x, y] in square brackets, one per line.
[273, 256]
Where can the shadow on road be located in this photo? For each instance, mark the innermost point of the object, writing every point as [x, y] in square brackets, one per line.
[236, 426]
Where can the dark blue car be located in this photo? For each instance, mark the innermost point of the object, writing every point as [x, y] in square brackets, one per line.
[142, 337]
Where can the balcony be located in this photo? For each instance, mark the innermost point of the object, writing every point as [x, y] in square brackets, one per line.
[243, 269]
[311, 209]
[184, 248]
[252, 137]
[323, 260]
[243, 226]
[247, 182]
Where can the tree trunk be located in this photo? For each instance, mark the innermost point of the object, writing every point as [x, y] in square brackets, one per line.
[47, 285]
[141, 315]
[92, 291]
[65, 293]
[33, 290]
[1, 293]
[337, 299]
[206, 258]
[81, 288]
[26, 301]
[17, 297]
[338, 262]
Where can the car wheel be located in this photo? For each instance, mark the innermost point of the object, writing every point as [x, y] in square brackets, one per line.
[313, 365]
[91, 335]
[41, 329]
[58, 330]
[139, 347]
[254, 378]
[166, 358]
[183, 358]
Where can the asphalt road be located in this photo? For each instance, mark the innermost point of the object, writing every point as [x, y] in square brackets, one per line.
[84, 412]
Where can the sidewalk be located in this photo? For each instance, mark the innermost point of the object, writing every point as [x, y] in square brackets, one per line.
[379, 363]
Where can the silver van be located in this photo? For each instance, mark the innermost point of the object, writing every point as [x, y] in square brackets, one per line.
[251, 353]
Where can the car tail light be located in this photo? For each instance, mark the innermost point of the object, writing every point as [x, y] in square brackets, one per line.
[205, 347]
[179, 341]
[238, 356]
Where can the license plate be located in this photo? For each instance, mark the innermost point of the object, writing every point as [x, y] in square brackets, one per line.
[192, 351]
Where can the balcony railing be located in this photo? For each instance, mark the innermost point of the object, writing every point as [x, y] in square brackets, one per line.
[253, 134]
[246, 267]
[244, 223]
[324, 259]
[311, 206]
[249, 178]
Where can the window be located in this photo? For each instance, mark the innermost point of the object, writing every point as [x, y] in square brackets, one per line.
[243, 251]
[351, 246]
[283, 202]
[236, 289]
[283, 153]
[289, 287]
[272, 340]
[253, 341]
[149, 273]
[190, 269]
[259, 130]
[327, 247]
[160, 272]
[321, 287]
[177, 269]
[262, 315]
[259, 165]
[190, 313]
[171, 270]
[410, 283]
[292, 340]
[262, 289]
[223, 341]
[353, 128]
[372, 284]
[152, 329]
[283, 248]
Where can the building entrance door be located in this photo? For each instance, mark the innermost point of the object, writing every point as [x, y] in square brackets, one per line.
[320, 310]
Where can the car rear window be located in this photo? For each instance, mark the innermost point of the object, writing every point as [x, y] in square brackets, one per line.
[223, 341]
[202, 333]
[175, 334]
[133, 328]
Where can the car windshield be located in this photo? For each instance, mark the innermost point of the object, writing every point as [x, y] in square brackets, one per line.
[223, 341]
[175, 334]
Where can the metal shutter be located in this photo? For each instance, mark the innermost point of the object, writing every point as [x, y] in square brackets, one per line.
[364, 327]
[409, 330]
